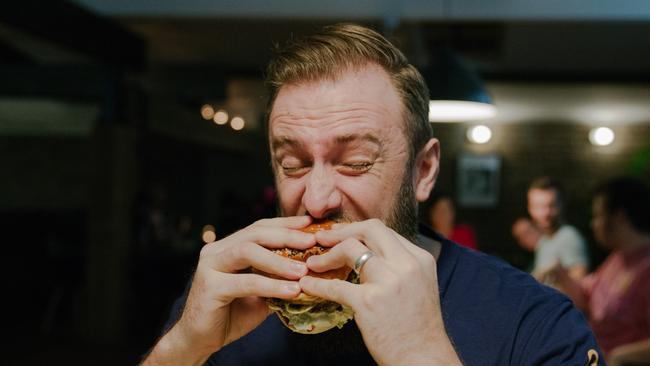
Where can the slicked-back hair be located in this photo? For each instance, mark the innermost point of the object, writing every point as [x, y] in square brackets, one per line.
[338, 48]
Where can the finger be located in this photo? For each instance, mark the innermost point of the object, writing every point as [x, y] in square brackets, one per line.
[248, 254]
[289, 222]
[249, 284]
[346, 253]
[340, 291]
[277, 237]
[373, 233]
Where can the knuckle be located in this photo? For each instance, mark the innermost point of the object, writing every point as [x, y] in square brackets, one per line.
[410, 269]
[429, 261]
[244, 250]
[262, 222]
[393, 282]
[370, 299]
[209, 249]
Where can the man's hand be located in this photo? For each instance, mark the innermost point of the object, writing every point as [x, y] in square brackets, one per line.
[396, 304]
[223, 303]
[559, 277]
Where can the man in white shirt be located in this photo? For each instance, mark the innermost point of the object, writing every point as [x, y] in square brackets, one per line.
[559, 243]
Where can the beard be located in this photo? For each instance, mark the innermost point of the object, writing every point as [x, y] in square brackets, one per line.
[336, 343]
[403, 217]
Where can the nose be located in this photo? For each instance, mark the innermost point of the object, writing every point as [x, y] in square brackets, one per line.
[321, 197]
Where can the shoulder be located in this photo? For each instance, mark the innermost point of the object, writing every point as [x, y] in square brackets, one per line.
[508, 312]
[568, 232]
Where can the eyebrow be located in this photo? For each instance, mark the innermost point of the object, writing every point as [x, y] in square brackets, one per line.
[282, 141]
[370, 137]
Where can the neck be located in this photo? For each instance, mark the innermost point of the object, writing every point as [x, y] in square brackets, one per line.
[550, 231]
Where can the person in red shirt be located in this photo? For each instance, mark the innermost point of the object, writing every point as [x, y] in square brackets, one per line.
[616, 297]
[442, 218]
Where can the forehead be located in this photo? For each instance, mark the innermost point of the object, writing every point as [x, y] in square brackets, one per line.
[360, 99]
[542, 195]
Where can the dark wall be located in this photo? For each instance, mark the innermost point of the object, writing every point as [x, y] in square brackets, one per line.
[44, 172]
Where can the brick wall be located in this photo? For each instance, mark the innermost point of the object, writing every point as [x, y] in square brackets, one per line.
[528, 150]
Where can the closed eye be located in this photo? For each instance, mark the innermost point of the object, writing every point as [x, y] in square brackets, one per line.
[356, 167]
[294, 170]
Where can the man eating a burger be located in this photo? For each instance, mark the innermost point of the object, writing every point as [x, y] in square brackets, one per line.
[351, 143]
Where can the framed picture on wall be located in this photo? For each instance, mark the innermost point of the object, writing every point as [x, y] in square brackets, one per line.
[478, 180]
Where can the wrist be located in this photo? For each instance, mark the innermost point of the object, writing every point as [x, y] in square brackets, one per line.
[439, 351]
[176, 349]
[433, 350]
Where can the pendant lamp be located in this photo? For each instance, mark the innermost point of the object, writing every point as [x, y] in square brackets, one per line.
[456, 91]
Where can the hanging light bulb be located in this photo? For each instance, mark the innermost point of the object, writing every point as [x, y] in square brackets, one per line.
[480, 134]
[601, 136]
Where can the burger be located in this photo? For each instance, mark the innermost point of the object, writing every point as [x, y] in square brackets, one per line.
[308, 314]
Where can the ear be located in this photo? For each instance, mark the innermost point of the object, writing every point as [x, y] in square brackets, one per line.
[426, 169]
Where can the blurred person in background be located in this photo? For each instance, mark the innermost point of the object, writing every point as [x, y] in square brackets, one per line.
[559, 241]
[526, 233]
[616, 297]
[442, 218]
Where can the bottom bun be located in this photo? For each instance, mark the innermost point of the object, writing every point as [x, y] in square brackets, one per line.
[311, 319]
[307, 314]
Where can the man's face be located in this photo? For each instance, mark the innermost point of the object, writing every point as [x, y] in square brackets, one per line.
[338, 148]
[544, 209]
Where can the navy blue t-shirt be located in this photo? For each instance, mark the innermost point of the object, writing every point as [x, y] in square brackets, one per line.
[494, 314]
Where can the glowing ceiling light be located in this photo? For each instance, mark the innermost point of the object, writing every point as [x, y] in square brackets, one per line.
[237, 123]
[459, 111]
[208, 235]
[480, 134]
[601, 136]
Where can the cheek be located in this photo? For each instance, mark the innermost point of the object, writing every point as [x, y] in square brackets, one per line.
[290, 196]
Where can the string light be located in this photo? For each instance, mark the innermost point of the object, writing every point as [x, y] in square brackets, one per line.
[208, 234]
[221, 117]
[237, 123]
[207, 112]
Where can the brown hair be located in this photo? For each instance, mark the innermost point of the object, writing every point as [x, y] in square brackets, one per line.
[340, 47]
[548, 184]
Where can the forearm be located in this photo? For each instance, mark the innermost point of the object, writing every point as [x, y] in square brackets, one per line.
[439, 351]
[173, 349]
[574, 291]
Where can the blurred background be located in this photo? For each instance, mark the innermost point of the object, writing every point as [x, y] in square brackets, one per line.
[131, 132]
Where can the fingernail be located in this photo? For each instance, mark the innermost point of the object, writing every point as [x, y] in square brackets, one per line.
[292, 287]
[299, 267]
[308, 237]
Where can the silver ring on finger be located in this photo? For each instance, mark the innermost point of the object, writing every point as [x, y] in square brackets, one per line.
[363, 258]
